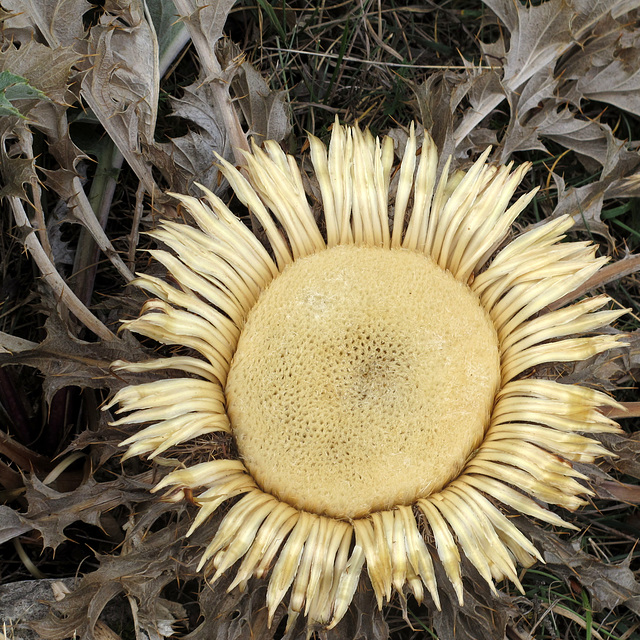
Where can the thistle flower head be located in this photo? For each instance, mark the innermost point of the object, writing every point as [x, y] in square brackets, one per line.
[376, 369]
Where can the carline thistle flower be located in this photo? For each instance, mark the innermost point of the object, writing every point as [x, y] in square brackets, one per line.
[376, 369]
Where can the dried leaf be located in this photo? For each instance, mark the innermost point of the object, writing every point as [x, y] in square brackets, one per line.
[45, 69]
[15, 169]
[606, 371]
[607, 67]
[12, 524]
[194, 153]
[265, 111]
[484, 615]
[121, 84]
[188, 159]
[627, 449]
[51, 511]
[618, 491]
[60, 21]
[139, 573]
[66, 361]
[588, 138]
[538, 35]
[584, 205]
[610, 585]
[205, 21]
[16, 25]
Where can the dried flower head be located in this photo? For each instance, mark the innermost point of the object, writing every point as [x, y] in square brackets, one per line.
[377, 376]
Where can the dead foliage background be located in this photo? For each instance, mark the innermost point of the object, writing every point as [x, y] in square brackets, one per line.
[104, 107]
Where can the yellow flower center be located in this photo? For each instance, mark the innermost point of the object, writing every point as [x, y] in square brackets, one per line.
[363, 379]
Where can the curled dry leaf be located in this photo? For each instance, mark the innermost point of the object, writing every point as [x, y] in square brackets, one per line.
[607, 67]
[265, 111]
[205, 21]
[610, 585]
[484, 616]
[122, 84]
[140, 573]
[66, 361]
[538, 36]
[627, 450]
[51, 511]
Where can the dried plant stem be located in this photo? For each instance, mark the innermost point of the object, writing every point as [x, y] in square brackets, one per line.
[85, 213]
[610, 273]
[135, 224]
[214, 74]
[628, 410]
[13, 344]
[54, 279]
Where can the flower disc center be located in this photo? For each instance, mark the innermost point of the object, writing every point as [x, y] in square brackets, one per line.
[363, 379]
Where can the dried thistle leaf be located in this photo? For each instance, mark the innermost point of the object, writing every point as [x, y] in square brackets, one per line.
[610, 585]
[45, 69]
[121, 84]
[607, 67]
[66, 361]
[537, 36]
[140, 573]
[484, 616]
[50, 511]
[627, 449]
[264, 110]
[60, 21]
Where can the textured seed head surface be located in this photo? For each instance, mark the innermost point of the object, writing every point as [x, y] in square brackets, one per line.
[363, 379]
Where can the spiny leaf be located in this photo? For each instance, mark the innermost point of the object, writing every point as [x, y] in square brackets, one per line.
[50, 511]
[139, 571]
[607, 67]
[122, 82]
[15, 87]
[66, 361]
[610, 585]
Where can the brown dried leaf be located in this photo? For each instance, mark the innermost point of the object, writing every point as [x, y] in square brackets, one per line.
[584, 204]
[16, 171]
[60, 21]
[618, 491]
[121, 84]
[141, 573]
[484, 615]
[51, 511]
[12, 524]
[627, 449]
[234, 615]
[588, 138]
[539, 34]
[438, 99]
[66, 361]
[192, 157]
[188, 159]
[15, 23]
[265, 111]
[607, 67]
[205, 21]
[610, 585]
[45, 68]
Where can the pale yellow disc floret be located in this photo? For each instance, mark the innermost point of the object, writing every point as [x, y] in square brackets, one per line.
[363, 379]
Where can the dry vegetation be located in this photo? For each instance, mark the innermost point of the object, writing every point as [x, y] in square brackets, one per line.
[105, 107]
